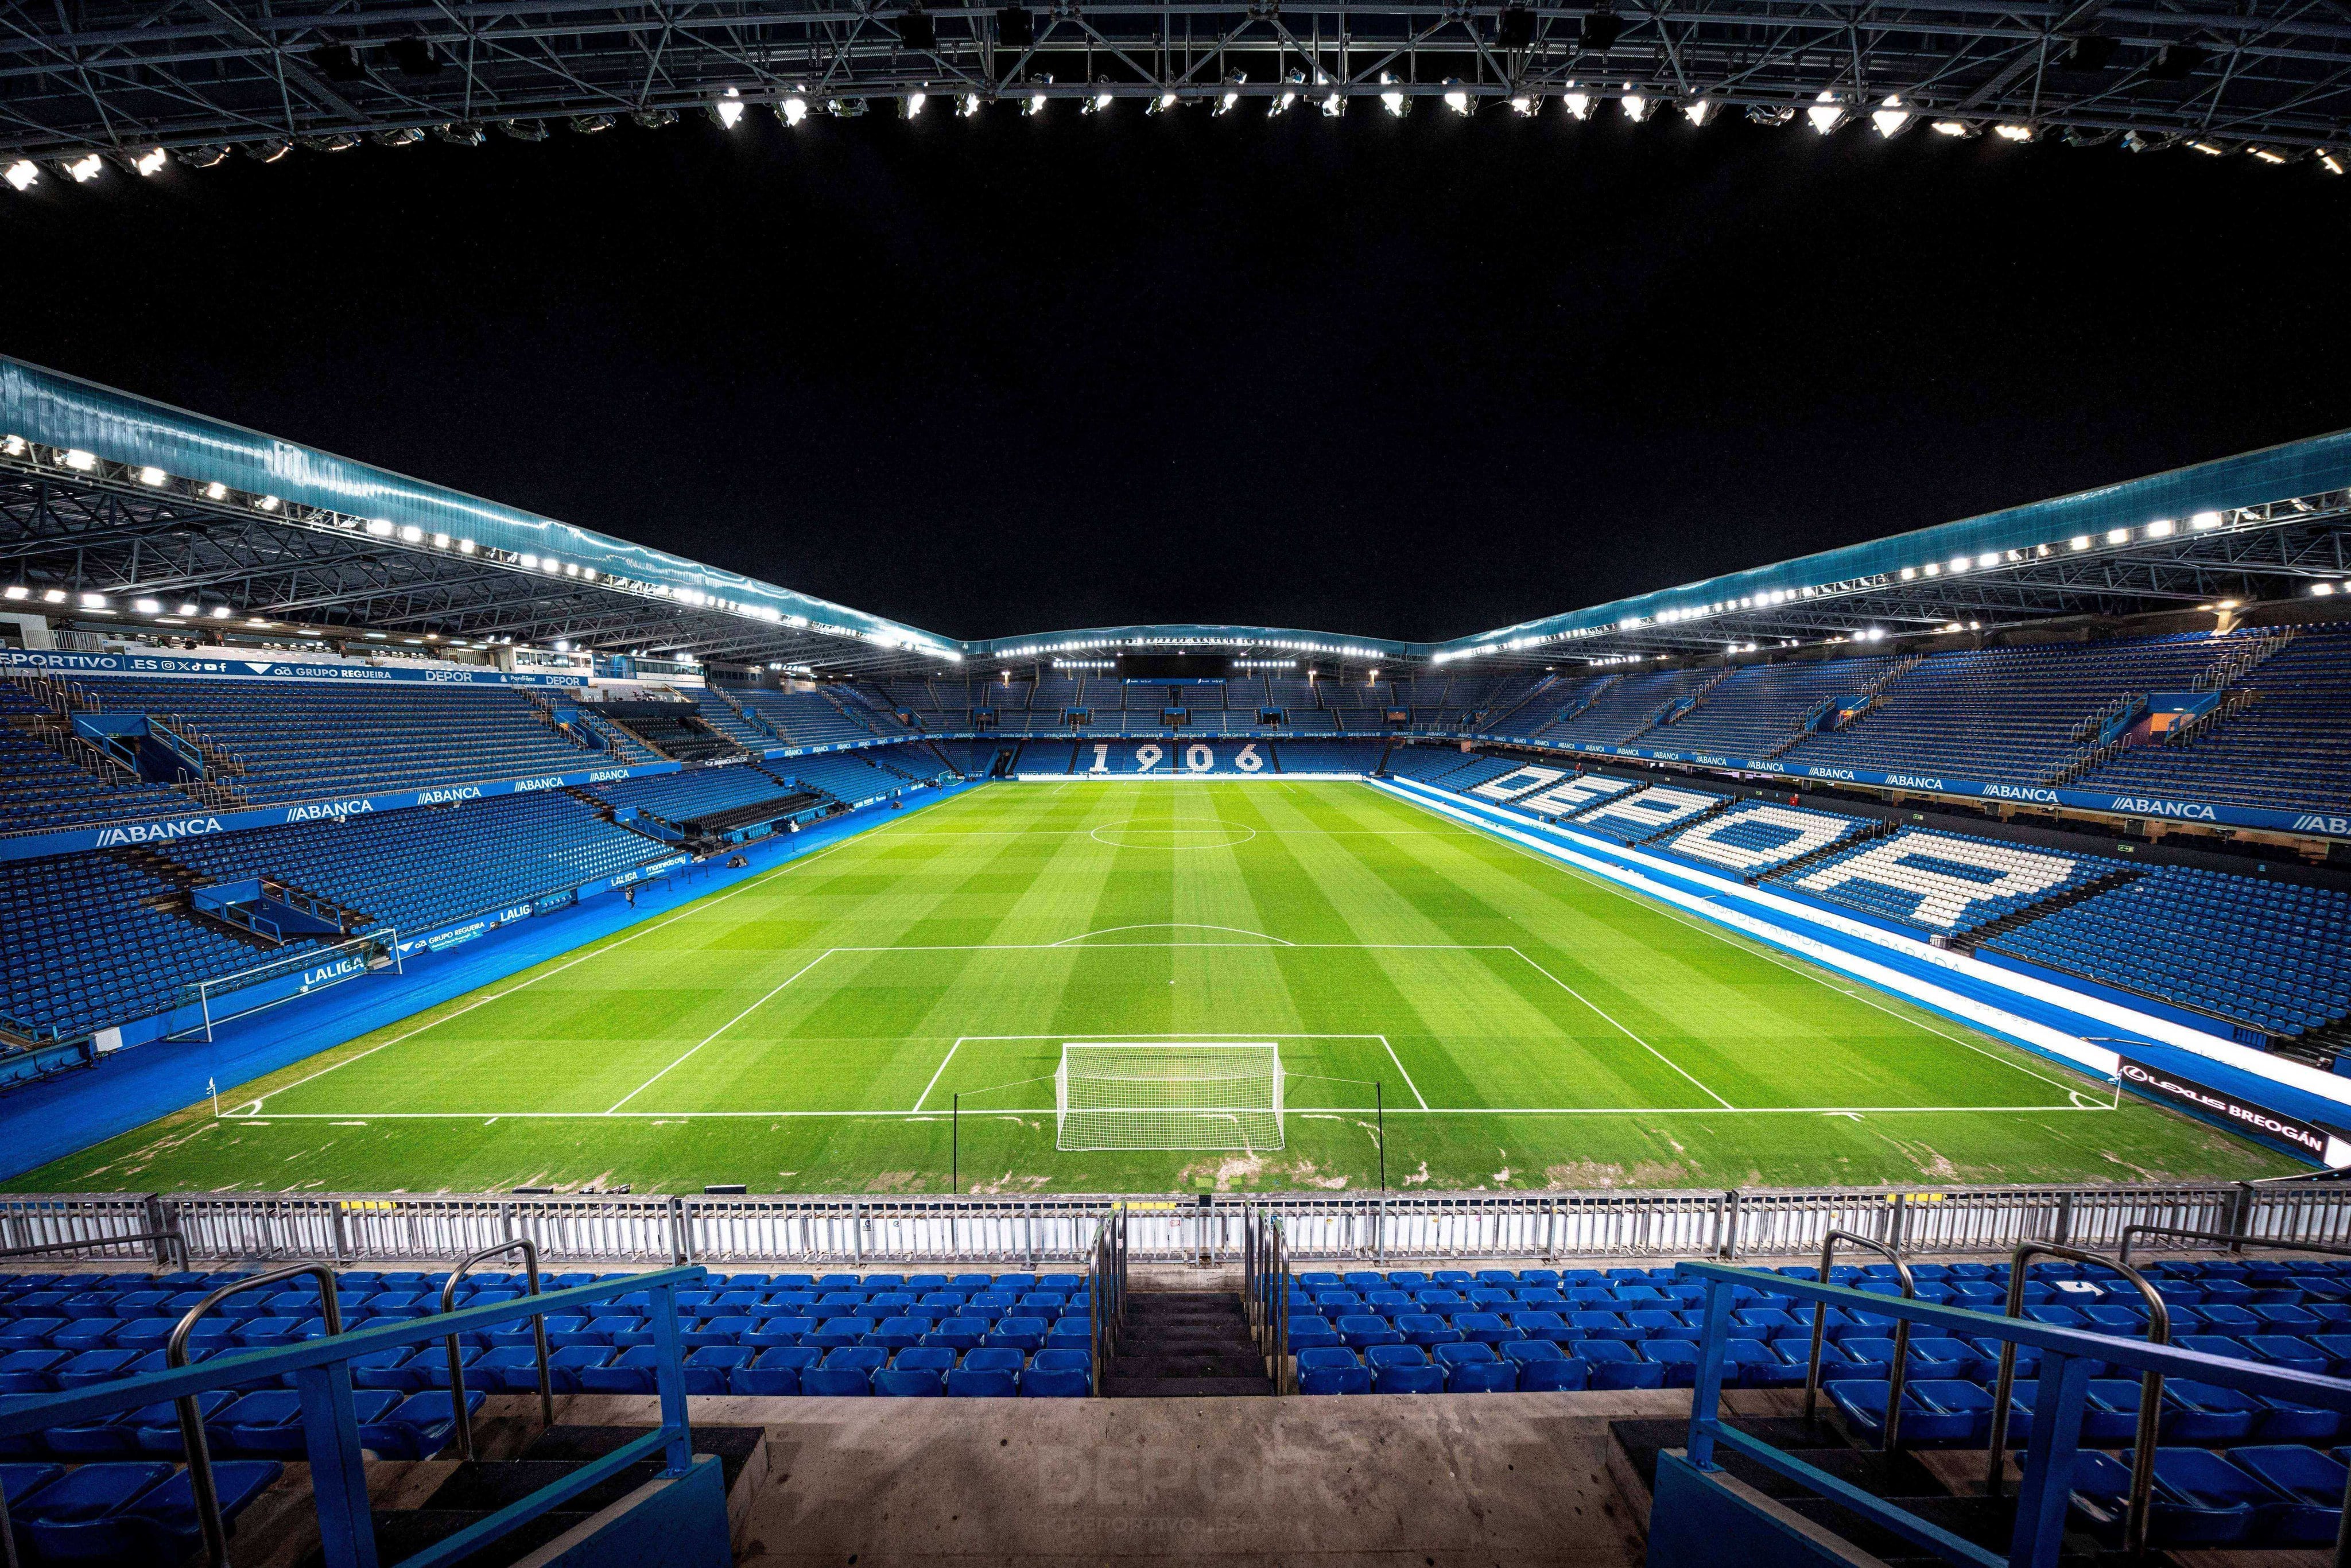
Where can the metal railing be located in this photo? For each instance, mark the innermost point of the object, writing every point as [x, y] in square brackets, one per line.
[2067, 1358]
[584, 1229]
[1105, 1295]
[2150, 1394]
[193, 1441]
[1899, 1374]
[321, 1371]
[1265, 1292]
[529, 1250]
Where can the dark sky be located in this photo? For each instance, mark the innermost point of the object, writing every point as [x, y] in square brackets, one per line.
[1411, 379]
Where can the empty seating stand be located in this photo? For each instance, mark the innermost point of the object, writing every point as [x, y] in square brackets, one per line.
[298, 740]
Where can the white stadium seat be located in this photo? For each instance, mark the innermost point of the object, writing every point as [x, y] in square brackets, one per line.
[1944, 897]
[1511, 785]
[1575, 795]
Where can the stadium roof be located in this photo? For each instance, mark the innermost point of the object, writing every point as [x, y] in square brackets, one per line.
[111, 503]
[119, 77]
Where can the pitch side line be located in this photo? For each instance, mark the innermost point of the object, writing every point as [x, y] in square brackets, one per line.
[1409, 1083]
[694, 908]
[1627, 1033]
[721, 1028]
[1032, 1112]
[1745, 945]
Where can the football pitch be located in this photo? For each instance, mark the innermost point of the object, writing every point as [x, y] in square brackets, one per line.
[876, 1015]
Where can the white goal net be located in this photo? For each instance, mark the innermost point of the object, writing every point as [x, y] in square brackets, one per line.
[1164, 1096]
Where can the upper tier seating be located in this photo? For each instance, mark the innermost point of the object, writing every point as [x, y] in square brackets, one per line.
[307, 739]
[2270, 955]
[2007, 714]
[721, 716]
[2290, 750]
[801, 719]
[853, 777]
[1622, 710]
[1758, 708]
[40, 789]
[1946, 882]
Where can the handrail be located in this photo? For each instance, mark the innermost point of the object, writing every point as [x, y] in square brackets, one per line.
[2133, 1232]
[2067, 1356]
[322, 1369]
[166, 1241]
[1105, 1294]
[1265, 1291]
[1899, 1373]
[539, 1335]
[2150, 1390]
[192, 1416]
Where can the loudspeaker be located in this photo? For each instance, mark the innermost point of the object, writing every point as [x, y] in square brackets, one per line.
[1515, 27]
[915, 30]
[1015, 27]
[1601, 30]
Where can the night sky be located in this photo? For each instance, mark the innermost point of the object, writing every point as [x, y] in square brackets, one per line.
[1406, 379]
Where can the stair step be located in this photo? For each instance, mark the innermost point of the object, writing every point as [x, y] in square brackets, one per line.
[1117, 1388]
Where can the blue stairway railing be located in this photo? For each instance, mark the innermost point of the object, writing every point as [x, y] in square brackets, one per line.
[322, 1369]
[2068, 1358]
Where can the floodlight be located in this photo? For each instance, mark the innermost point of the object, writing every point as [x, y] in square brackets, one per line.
[1160, 104]
[1283, 100]
[2209, 149]
[81, 462]
[2159, 529]
[911, 106]
[2118, 536]
[2079, 541]
[147, 606]
[1334, 105]
[2202, 520]
[93, 601]
[1457, 98]
[54, 596]
[1577, 104]
[465, 546]
[412, 535]
[728, 108]
[16, 591]
[1826, 113]
[153, 475]
[220, 612]
[266, 503]
[1950, 127]
[1035, 105]
[1100, 102]
[2266, 155]
[1392, 98]
[1635, 107]
[967, 105]
[1890, 117]
[151, 161]
[190, 609]
[1525, 104]
[23, 175]
[793, 108]
[1697, 112]
[2012, 133]
[2328, 160]
[84, 168]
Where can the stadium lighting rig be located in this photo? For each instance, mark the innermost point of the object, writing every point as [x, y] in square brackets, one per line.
[87, 465]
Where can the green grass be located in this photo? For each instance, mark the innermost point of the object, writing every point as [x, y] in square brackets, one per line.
[807, 1031]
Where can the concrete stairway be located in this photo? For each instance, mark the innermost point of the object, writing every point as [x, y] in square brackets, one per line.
[1186, 1344]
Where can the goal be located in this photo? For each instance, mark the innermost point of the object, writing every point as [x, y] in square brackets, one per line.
[1167, 1097]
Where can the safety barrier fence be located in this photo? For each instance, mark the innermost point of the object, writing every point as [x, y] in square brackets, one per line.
[321, 1369]
[1027, 1232]
[2067, 1358]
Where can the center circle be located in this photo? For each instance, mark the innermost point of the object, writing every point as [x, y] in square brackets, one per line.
[1174, 836]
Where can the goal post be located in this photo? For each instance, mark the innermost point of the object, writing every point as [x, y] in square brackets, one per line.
[1167, 1095]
